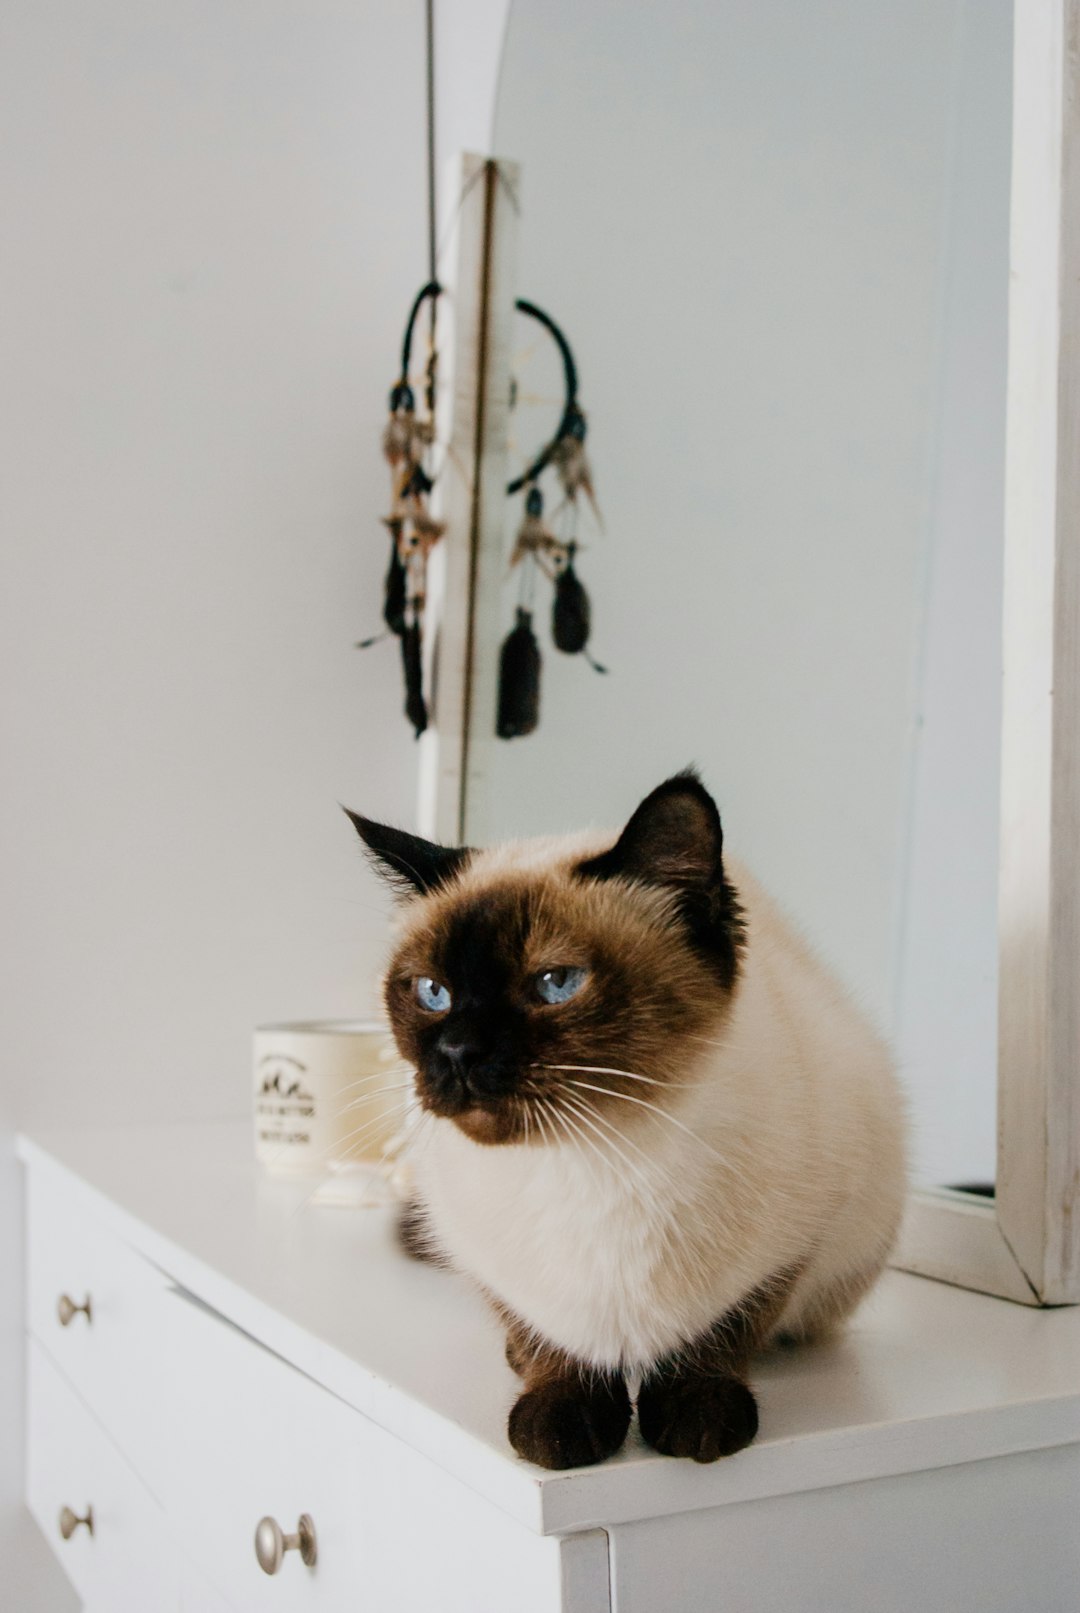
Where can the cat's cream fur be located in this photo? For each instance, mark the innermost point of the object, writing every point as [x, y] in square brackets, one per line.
[780, 1150]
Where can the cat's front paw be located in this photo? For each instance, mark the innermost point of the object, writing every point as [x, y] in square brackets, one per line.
[568, 1425]
[703, 1418]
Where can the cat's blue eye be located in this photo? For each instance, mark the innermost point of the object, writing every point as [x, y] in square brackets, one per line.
[431, 995]
[559, 985]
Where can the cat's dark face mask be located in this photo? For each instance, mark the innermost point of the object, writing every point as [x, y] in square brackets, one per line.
[533, 1004]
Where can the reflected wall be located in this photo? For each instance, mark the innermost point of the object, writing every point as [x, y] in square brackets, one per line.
[777, 237]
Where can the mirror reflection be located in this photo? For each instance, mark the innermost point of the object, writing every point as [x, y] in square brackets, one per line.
[777, 237]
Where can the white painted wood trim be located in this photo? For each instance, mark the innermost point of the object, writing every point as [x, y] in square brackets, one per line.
[477, 309]
[957, 1239]
[1039, 1010]
[585, 1572]
[492, 507]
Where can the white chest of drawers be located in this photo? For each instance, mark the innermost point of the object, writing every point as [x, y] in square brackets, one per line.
[247, 1355]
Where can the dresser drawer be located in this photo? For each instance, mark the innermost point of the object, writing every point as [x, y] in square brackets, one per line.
[254, 1438]
[129, 1560]
[222, 1433]
[112, 1356]
[197, 1595]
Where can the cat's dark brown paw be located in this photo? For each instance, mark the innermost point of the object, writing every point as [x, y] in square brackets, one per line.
[415, 1237]
[565, 1424]
[703, 1418]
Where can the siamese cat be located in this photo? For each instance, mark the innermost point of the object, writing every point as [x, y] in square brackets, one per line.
[660, 1135]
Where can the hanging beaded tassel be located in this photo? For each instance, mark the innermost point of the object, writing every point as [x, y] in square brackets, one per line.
[395, 585]
[535, 540]
[570, 611]
[519, 680]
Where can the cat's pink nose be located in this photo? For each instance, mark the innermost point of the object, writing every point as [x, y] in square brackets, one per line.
[460, 1055]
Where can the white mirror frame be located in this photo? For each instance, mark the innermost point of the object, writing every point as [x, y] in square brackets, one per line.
[1023, 1244]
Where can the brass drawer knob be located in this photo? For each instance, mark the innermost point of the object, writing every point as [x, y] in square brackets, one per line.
[70, 1521]
[271, 1544]
[67, 1310]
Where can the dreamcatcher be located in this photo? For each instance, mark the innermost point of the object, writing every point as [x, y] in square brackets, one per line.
[408, 442]
[545, 550]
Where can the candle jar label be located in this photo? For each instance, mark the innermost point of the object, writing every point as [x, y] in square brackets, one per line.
[320, 1093]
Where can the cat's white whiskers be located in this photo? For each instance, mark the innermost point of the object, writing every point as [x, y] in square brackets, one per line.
[557, 1129]
[587, 1150]
[659, 1174]
[369, 1097]
[548, 1132]
[425, 1129]
[559, 1135]
[399, 1067]
[726, 1045]
[649, 1160]
[578, 1142]
[676, 1252]
[673, 1254]
[625, 1097]
[361, 1097]
[550, 1105]
[635, 1170]
[578, 1139]
[736, 1172]
[603, 1069]
[538, 1103]
[749, 1189]
[384, 1118]
[397, 1085]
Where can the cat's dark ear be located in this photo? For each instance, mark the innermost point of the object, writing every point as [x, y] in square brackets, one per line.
[408, 862]
[673, 839]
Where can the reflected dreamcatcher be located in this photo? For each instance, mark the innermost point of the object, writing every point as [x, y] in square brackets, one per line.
[546, 546]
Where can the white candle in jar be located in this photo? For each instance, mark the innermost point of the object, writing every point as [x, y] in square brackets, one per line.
[326, 1093]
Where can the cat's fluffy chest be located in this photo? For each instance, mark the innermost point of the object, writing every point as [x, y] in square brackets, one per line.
[601, 1259]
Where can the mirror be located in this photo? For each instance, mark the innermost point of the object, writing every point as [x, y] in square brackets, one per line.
[776, 235]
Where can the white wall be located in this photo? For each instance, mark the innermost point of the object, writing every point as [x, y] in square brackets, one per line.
[211, 226]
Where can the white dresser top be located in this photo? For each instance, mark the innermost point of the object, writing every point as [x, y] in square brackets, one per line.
[926, 1376]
